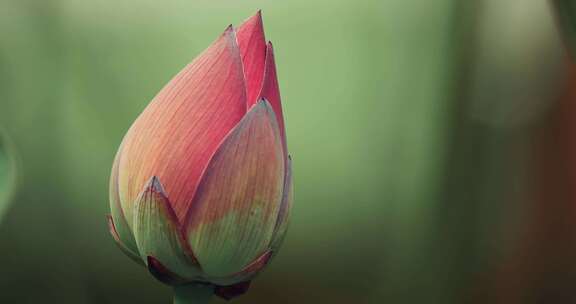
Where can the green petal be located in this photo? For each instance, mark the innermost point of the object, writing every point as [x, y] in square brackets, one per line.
[235, 208]
[158, 233]
[124, 235]
[285, 210]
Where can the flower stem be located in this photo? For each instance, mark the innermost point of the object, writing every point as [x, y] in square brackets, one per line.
[193, 294]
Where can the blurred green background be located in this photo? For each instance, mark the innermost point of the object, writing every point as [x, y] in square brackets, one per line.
[430, 141]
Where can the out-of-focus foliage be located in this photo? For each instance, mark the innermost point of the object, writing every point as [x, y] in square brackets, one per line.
[566, 12]
[7, 173]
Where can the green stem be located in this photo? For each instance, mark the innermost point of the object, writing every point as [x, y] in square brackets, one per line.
[193, 294]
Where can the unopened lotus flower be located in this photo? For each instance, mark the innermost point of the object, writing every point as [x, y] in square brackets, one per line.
[201, 185]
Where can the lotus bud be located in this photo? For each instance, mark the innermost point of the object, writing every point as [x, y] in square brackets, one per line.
[201, 186]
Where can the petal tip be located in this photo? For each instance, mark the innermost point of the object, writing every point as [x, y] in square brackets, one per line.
[231, 37]
[153, 193]
[155, 185]
[264, 105]
[254, 19]
[228, 33]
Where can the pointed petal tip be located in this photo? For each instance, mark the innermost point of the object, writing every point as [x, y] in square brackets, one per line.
[155, 185]
[252, 44]
[264, 104]
[270, 89]
[256, 18]
[270, 52]
[270, 60]
[230, 35]
[154, 194]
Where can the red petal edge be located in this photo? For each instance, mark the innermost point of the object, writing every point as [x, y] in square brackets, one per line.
[271, 92]
[162, 274]
[252, 44]
[285, 206]
[232, 291]
[119, 243]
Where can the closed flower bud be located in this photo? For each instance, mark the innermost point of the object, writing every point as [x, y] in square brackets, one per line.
[201, 186]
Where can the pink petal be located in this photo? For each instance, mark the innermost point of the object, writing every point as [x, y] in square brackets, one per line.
[271, 92]
[232, 217]
[181, 128]
[252, 45]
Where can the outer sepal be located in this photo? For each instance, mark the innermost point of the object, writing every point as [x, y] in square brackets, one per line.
[158, 234]
[120, 244]
[117, 223]
[232, 217]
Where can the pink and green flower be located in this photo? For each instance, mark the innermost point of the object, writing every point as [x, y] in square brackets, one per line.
[201, 186]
